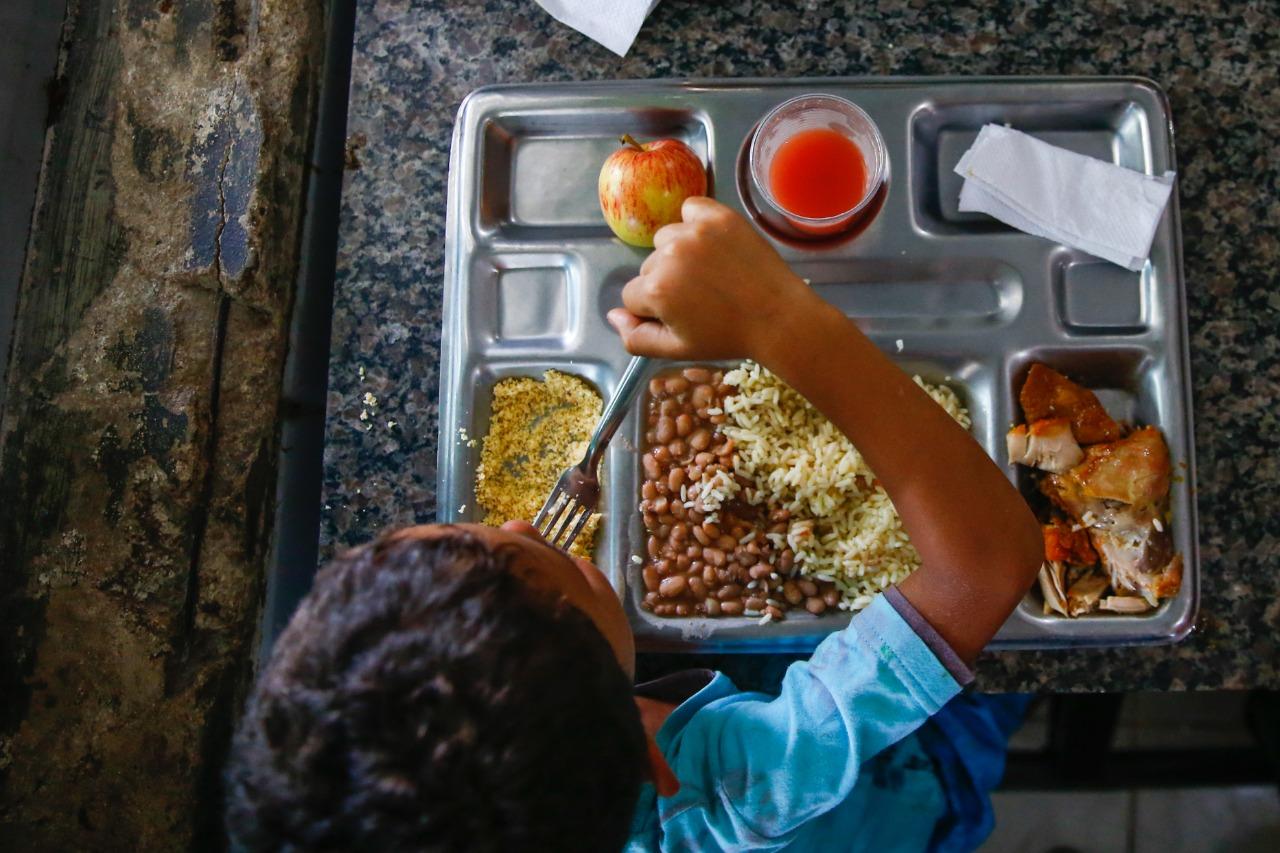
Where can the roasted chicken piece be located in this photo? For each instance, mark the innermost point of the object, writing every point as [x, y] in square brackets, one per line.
[1134, 470]
[1071, 592]
[1047, 444]
[1120, 493]
[1049, 394]
[1064, 544]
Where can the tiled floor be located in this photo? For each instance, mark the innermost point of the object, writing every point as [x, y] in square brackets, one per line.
[1037, 821]
[1194, 820]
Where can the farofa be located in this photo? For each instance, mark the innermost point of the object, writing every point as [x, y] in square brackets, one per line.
[536, 430]
[844, 528]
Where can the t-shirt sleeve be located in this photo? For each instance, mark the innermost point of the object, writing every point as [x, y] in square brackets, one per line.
[753, 769]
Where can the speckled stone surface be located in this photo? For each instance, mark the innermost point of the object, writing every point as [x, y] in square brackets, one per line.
[415, 61]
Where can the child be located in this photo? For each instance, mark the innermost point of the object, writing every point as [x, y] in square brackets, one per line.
[455, 687]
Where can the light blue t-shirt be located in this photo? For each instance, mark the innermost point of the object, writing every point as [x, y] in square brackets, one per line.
[828, 764]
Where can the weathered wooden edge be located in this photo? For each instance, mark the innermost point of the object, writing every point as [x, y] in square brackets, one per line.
[138, 446]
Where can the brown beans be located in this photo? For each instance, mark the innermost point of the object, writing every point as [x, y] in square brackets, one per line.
[728, 591]
[672, 586]
[651, 468]
[697, 566]
[651, 579]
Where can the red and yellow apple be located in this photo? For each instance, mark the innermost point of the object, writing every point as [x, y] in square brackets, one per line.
[642, 186]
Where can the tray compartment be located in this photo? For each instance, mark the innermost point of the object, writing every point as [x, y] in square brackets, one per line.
[1116, 131]
[526, 301]
[473, 422]
[539, 169]
[896, 293]
[1130, 382]
[1096, 297]
[974, 380]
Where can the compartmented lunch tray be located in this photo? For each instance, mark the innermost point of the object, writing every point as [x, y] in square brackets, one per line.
[531, 269]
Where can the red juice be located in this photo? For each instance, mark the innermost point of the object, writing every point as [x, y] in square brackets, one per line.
[817, 173]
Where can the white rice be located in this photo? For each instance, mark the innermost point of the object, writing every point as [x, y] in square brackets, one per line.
[843, 526]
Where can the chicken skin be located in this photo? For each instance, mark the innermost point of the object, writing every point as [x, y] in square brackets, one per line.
[1049, 394]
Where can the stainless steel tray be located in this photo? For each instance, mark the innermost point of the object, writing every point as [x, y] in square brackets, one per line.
[531, 268]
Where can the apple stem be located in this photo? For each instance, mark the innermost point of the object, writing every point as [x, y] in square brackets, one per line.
[628, 139]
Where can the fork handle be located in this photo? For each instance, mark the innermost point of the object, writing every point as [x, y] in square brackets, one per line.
[617, 408]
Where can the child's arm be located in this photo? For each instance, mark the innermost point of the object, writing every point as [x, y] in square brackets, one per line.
[714, 289]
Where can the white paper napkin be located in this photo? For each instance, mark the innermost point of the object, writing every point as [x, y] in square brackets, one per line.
[1104, 209]
[613, 23]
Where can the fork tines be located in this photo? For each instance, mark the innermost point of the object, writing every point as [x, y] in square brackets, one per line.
[553, 521]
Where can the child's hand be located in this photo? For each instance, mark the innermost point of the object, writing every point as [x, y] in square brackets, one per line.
[713, 288]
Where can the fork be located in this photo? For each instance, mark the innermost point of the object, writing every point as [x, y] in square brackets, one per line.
[577, 493]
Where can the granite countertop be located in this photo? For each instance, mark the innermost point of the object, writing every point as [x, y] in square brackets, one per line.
[415, 61]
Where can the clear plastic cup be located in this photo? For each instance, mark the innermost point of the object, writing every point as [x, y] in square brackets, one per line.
[807, 112]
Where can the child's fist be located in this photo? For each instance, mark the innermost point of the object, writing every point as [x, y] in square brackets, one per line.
[713, 288]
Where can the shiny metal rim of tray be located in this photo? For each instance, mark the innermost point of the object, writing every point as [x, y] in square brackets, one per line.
[531, 269]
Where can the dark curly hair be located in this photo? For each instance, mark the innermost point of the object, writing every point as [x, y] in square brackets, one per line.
[424, 697]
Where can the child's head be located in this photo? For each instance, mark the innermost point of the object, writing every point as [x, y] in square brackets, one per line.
[446, 687]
